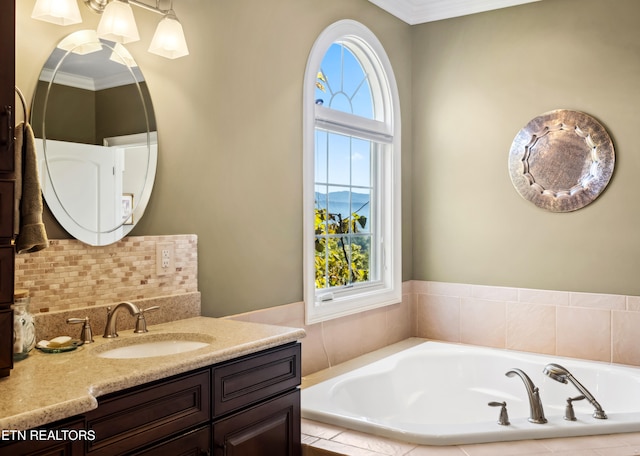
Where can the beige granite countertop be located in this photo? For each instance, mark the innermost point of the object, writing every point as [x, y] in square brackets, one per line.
[44, 388]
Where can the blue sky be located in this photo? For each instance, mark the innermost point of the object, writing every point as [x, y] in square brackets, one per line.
[346, 88]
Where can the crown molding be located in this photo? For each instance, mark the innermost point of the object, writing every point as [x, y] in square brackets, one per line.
[419, 11]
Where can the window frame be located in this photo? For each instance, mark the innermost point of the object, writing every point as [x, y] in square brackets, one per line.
[384, 130]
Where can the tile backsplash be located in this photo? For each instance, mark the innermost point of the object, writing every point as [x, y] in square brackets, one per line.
[70, 274]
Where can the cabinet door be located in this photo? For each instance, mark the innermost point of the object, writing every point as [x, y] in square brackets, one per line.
[7, 200]
[271, 428]
[6, 341]
[6, 275]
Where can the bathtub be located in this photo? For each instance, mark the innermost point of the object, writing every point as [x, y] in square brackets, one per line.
[434, 393]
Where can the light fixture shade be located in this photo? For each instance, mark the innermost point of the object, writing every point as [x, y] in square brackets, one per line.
[81, 42]
[60, 12]
[117, 23]
[122, 56]
[169, 41]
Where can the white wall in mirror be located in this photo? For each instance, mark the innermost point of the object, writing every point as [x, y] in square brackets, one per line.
[91, 179]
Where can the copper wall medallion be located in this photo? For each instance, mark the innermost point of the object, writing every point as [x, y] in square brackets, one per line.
[561, 160]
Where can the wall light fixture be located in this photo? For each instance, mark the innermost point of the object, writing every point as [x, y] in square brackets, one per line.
[118, 24]
[60, 12]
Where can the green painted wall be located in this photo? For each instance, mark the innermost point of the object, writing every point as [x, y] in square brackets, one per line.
[477, 81]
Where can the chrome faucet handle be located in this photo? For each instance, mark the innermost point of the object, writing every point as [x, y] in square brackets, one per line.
[569, 414]
[86, 334]
[503, 420]
[141, 322]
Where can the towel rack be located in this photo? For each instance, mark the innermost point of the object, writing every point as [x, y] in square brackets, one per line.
[23, 101]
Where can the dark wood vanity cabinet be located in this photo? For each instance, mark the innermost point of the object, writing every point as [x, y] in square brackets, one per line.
[249, 406]
[7, 180]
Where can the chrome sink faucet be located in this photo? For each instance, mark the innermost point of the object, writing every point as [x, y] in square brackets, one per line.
[112, 317]
[562, 375]
[536, 412]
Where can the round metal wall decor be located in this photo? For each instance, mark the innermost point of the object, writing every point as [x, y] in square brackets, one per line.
[561, 160]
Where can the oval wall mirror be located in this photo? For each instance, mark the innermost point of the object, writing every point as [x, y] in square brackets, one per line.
[96, 138]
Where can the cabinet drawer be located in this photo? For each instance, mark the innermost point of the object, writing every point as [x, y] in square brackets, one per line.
[247, 380]
[194, 443]
[129, 420]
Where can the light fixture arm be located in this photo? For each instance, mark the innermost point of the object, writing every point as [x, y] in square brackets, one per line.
[155, 9]
[98, 6]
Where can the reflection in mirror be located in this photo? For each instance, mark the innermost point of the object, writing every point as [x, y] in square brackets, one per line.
[96, 138]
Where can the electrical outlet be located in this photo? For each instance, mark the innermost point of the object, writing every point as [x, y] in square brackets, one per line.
[165, 258]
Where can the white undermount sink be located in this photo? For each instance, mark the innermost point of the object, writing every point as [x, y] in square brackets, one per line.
[147, 347]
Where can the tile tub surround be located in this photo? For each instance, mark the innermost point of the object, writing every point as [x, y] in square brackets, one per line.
[336, 341]
[71, 275]
[598, 327]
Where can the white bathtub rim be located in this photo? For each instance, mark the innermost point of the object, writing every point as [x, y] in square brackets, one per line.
[484, 433]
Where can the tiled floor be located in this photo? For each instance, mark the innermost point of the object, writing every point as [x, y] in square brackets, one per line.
[321, 439]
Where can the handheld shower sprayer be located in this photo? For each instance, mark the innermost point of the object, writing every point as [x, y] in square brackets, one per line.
[562, 375]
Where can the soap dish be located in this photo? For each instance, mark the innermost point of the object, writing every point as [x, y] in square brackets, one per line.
[67, 348]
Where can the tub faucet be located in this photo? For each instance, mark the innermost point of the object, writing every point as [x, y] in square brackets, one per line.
[562, 375]
[112, 317]
[536, 412]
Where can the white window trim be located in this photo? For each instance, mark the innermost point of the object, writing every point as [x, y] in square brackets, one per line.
[385, 130]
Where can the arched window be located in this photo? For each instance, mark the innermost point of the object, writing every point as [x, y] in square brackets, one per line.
[351, 121]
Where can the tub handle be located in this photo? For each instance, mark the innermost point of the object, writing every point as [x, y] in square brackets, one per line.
[503, 420]
[569, 414]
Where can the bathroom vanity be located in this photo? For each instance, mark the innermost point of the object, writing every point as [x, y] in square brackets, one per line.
[239, 395]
